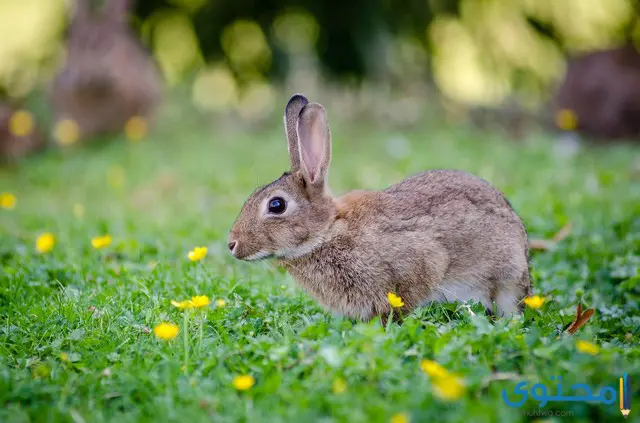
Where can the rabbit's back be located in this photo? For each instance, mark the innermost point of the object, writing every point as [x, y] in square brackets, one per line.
[467, 216]
[453, 195]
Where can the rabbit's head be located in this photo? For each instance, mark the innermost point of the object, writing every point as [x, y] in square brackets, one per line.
[98, 41]
[292, 215]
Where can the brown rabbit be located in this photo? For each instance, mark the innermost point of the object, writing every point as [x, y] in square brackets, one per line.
[108, 76]
[15, 145]
[441, 235]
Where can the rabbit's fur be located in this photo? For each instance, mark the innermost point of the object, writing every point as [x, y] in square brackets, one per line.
[441, 235]
[108, 76]
[13, 147]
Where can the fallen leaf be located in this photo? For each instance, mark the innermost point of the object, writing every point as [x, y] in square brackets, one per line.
[547, 244]
[562, 233]
[580, 320]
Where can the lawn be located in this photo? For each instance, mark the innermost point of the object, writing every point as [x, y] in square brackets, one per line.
[76, 323]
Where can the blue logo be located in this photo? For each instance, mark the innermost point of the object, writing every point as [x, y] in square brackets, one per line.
[581, 393]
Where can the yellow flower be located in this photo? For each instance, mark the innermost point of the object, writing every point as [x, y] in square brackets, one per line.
[567, 120]
[399, 418]
[182, 304]
[21, 123]
[40, 371]
[7, 200]
[242, 383]
[339, 386]
[66, 132]
[394, 300]
[200, 301]
[64, 356]
[221, 303]
[136, 128]
[197, 253]
[78, 210]
[448, 388]
[587, 347]
[166, 331]
[45, 242]
[534, 302]
[433, 369]
[101, 241]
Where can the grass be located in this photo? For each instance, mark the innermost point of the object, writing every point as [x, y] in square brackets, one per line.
[76, 340]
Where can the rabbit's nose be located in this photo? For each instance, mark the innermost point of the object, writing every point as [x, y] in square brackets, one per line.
[232, 246]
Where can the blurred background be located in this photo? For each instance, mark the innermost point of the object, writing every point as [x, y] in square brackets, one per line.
[487, 63]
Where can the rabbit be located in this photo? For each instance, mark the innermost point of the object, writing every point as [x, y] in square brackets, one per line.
[602, 88]
[108, 76]
[14, 146]
[441, 235]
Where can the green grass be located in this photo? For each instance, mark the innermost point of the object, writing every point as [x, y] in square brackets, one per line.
[184, 187]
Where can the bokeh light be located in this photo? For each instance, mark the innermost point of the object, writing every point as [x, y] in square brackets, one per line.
[136, 128]
[245, 45]
[175, 44]
[296, 31]
[215, 88]
[21, 123]
[66, 132]
[257, 101]
[28, 30]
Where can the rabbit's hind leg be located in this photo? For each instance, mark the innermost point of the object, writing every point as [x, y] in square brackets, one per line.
[509, 295]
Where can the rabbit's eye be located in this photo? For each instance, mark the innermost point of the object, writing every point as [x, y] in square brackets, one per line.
[277, 205]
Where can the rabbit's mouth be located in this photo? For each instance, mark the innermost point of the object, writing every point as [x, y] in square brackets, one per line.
[236, 251]
[260, 255]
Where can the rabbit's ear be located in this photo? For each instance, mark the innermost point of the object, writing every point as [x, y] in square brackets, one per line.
[314, 140]
[117, 10]
[291, 113]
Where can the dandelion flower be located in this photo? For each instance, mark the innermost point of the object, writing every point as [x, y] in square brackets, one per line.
[449, 388]
[534, 302]
[399, 418]
[101, 241]
[136, 128]
[21, 123]
[166, 331]
[394, 300]
[182, 304]
[221, 303]
[242, 383]
[433, 369]
[197, 253]
[339, 386]
[7, 200]
[45, 242]
[200, 301]
[587, 347]
[67, 132]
